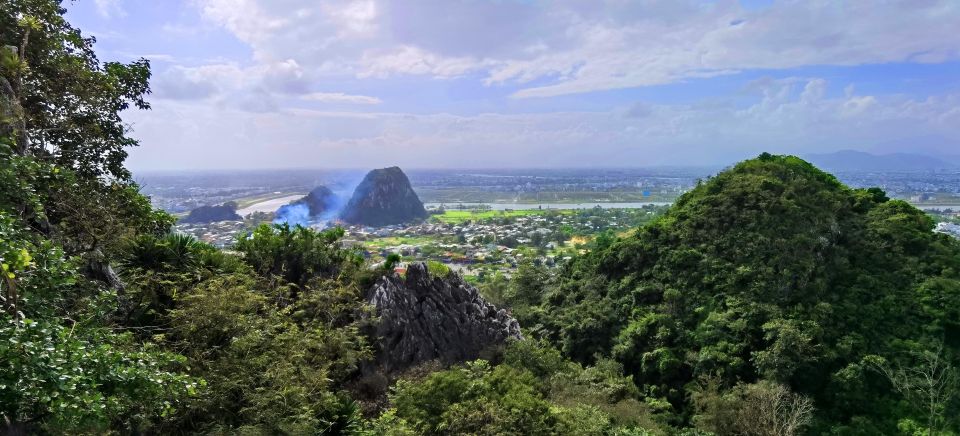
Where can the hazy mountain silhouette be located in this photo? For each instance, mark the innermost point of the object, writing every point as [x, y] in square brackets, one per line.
[852, 160]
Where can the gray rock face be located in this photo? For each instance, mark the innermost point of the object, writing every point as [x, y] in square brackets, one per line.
[425, 318]
[384, 197]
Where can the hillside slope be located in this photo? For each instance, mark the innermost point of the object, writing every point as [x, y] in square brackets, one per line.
[771, 270]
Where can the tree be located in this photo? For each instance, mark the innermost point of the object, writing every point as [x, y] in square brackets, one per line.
[295, 255]
[64, 369]
[12, 121]
[392, 260]
[65, 208]
[758, 409]
[709, 289]
[269, 369]
[70, 100]
[930, 384]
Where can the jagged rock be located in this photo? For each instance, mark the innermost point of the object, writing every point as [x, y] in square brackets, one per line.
[209, 214]
[424, 318]
[384, 197]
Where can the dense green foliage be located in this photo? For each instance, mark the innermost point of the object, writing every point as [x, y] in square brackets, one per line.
[274, 334]
[774, 271]
[63, 364]
[534, 391]
[295, 255]
[71, 101]
[771, 299]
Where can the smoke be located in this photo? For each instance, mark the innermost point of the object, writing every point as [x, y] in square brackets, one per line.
[298, 213]
[332, 207]
[344, 190]
[293, 214]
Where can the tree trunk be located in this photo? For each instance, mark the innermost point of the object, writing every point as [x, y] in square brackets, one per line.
[12, 122]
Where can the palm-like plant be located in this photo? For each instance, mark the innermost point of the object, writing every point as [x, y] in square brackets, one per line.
[172, 252]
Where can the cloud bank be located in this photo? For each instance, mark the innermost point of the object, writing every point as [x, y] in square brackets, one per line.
[361, 83]
[786, 116]
[574, 46]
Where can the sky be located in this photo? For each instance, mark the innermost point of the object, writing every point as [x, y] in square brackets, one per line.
[242, 84]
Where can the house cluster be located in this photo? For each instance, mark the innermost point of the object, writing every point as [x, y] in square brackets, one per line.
[948, 228]
[473, 247]
[490, 244]
[220, 234]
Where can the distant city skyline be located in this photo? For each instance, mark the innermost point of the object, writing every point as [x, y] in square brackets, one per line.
[247, 84]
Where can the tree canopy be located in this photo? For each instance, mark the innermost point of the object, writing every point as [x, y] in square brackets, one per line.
[770, 299]
[772, 270]
[71, 101]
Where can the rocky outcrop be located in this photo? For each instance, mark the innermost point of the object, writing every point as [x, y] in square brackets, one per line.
[384, 197]
[424, 318]
[209, 214]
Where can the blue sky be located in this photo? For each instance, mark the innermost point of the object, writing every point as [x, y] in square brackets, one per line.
[528, 83]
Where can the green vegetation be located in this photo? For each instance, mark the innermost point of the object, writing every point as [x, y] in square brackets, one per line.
[459, 216]
[381, 243]
[771, 299]
[534, 391]
[771, 272]
[457, 195]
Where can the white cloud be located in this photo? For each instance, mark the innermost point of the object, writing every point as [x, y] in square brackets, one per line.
[339, 97]
[575, 46]
[231, 80]
[786, 116]
[411, 60]
[318, 57]
[109, 8]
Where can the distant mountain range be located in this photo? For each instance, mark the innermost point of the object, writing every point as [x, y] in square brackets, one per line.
[852, 160]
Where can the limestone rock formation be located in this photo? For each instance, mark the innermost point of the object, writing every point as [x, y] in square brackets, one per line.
[384, 197]
[209, 214]
[424, 318]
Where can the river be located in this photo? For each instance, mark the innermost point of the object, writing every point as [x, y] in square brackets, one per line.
[270, 205]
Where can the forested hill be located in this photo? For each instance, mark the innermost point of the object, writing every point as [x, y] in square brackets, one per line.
[771, 271]
[771, 299]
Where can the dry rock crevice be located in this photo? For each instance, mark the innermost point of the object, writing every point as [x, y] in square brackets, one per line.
[427, 318]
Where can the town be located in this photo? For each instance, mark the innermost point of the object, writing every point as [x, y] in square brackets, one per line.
[473, 242]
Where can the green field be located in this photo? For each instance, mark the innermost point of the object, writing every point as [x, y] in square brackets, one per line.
[461, 195]
[380, 243]
[459, 216]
